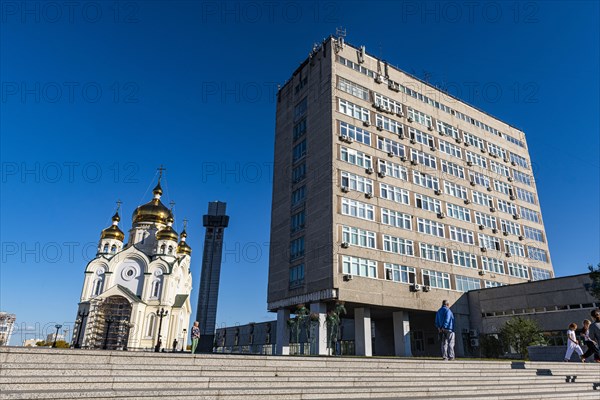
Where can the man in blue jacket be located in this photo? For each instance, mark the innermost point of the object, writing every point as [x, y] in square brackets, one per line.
[444, 321]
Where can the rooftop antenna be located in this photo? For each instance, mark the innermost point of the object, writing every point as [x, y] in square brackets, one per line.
[340, 33]
[426, 76]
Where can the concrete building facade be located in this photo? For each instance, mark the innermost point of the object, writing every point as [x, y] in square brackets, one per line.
[390, 196]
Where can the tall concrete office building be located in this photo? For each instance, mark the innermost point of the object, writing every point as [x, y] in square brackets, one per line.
[391, 195]
[215, 222]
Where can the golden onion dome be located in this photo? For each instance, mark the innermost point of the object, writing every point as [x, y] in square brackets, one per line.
[154, 210]
[183, 247]
[113, 231]
[167, 233]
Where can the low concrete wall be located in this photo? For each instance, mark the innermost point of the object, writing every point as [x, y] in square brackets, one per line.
[551, 353]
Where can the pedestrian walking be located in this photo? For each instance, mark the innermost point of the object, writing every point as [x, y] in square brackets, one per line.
[444, 322]
[572, 344]
[195, 336]
[592, 346]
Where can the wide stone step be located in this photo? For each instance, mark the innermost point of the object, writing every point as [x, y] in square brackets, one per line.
[302, 393]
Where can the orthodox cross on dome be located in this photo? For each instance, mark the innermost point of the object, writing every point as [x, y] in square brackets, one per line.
[172, 204]
[119, 202]
[185, 221]
[160, 171]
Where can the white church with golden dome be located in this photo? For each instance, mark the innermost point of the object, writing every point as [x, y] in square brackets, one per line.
[136, 294]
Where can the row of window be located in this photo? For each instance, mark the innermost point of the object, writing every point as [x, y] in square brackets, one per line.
[427, 100]
[358, 209]
[446, 169]
[358, 266]
[416, 136]
[368, 239]
[350, 181]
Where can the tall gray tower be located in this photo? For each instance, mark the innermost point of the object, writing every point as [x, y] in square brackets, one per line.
[215, 222]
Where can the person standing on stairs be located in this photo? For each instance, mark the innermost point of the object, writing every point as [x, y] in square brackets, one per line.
[572, 343]
[444, 321]
[195, 336]
[592, 346]
[594, 332]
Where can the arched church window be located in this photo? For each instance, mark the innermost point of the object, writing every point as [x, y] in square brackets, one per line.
[155, 288]
[170, 250]
[105, 249]
[162, 249]
[113, 249]
[151, 323]
[97, 287]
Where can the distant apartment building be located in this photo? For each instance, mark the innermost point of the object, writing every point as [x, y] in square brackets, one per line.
[7, 323]
[391, 195]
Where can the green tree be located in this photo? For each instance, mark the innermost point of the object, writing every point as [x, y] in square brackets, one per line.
[519, 333]
[594, 288]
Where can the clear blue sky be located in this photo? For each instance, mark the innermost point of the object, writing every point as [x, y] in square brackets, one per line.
[95, 98]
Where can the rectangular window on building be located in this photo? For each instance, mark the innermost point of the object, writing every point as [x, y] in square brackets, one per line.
[353, 110]
[383, 122]
[396, 219]
[433, 253]
[447, 129]
[300, 109]
[450, 149]
[359, 237]
[297, 248]
[532, 233]
[492, 265]
[394, 193]
[464, 259]
[397, 245]
[461, 235]
[298, 196]
[538, 274]
[388, 168]
[297, 221]
[427, 203]
[455, 190]
[300, 129]
[356, 182]
[399, 273]
[436, 279]
[357, 134]
[359, 266]
[453, 169]
[299, 151]
[458, 212]
[465, 283]
[299, 173]
[429, 227]
[425, 180]
[354, 89]
[358, 209]
[537, 254]
[486, 220]
[530, 215]
[355, 157]
[518, 270]
[296, 276]
[390, 146]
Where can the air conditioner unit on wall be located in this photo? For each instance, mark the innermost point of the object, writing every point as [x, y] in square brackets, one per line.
[345, 245]
[347, 277]
[415, 287]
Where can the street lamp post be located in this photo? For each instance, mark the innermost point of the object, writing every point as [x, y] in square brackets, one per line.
[108, 321]
[162, 313]
[82, 315]
[57, 326]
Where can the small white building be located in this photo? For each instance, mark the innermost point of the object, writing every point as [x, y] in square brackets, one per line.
[136, 294]
[7, 323]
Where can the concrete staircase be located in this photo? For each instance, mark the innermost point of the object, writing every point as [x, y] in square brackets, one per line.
[27, 373]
